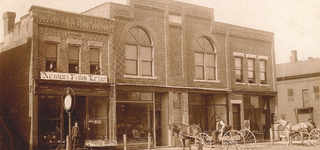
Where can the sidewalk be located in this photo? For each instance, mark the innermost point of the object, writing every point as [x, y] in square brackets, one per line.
[279, 145]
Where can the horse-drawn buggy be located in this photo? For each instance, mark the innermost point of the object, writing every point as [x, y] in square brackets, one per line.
[229, 139]
[303, 130]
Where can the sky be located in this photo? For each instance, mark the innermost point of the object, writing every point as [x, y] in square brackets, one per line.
[295, 23]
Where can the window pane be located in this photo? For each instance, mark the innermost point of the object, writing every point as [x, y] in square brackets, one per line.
[131, 67]
[199, 72]
[50, 106]
[238, 63]
[94, 55]
[207, 46]
[250, 74]
[238, 74]
[262, 76]
[146, 53]
[211, 73]
[51, 50]
[146, 68]
[262, 65]
[131, 52]
[199, 59]
[210, 60]
[250, 64]
[130, 39]
[74, 52]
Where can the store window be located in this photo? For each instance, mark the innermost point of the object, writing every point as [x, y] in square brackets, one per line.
[316, 94]
[205, 60]
[251, 72]
[50, 120]
[134, 115]
[51, 57]
[263, 72]
[238, 64]
[95, 61]
[253, 112]
[290, 95]
[139, 53]
[73, 59]
[97, 114]
[204, 109]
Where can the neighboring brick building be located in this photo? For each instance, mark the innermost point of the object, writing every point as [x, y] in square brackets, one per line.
[161, 62]
[298, 86]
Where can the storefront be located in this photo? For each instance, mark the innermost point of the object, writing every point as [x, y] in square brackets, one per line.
[91, 110]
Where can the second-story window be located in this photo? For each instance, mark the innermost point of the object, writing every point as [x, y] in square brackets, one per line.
[94, 61]
[73, 59]
[251, 73]
[205, 60]
[238, 67]
[51, 57]
[139, 53]
[263, 72]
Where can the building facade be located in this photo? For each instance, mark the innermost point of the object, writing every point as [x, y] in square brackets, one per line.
[298, 87]
[134, 69]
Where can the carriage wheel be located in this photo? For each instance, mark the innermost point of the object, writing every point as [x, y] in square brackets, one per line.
[204, 141]
[314, 137]
[250, 139]
[233, 140]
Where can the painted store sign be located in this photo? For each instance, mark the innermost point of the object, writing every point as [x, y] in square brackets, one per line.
[73, 77]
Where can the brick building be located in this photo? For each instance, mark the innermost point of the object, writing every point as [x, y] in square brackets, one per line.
[160, 62]
[298, 87]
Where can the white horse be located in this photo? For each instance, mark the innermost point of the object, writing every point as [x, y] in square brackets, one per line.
[290, 129]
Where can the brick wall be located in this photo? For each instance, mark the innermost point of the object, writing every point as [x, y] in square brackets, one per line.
[15, 87]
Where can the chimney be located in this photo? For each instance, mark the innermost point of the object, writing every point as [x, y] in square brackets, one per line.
[8, 21]
[294, 56]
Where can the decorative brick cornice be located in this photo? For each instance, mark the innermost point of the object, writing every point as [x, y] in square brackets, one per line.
[71, 20]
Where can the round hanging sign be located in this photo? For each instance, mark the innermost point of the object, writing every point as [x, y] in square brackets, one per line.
[67, 102]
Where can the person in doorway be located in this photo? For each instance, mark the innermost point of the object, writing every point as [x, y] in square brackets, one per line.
[220, 126]
[75, 134]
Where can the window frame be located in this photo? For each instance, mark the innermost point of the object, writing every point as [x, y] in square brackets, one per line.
[205, 61]
[51, 59]
[290, 95]
[73, 62]
[263, 71]
[93, 64]
[139, 60]
[240, 80]
[251, 80]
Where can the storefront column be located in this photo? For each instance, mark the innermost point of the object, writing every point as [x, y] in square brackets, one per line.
[112, 113]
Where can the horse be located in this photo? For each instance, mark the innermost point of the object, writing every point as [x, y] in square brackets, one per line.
[290, 129]
[185, 132]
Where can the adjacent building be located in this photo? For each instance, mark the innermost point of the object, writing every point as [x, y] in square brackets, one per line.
[133, 69]
[298, 86]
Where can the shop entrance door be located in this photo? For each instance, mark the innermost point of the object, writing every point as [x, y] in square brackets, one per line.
[236, 116]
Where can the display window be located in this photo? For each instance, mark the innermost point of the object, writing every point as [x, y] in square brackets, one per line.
[134, 115]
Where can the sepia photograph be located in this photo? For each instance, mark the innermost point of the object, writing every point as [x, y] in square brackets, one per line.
[159, 75]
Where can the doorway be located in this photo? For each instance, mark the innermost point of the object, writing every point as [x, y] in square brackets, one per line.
[236, 116]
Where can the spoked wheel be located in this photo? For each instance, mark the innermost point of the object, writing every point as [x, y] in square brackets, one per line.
[204, 141]
[250, 139]
[314, 137]
[233, 140]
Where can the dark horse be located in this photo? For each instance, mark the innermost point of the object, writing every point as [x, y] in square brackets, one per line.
[185, 132]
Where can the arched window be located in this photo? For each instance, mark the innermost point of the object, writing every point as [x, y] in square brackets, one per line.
[205, 60]
[139, 56]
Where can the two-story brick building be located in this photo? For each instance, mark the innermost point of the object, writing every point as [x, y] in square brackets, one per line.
[159, 62]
